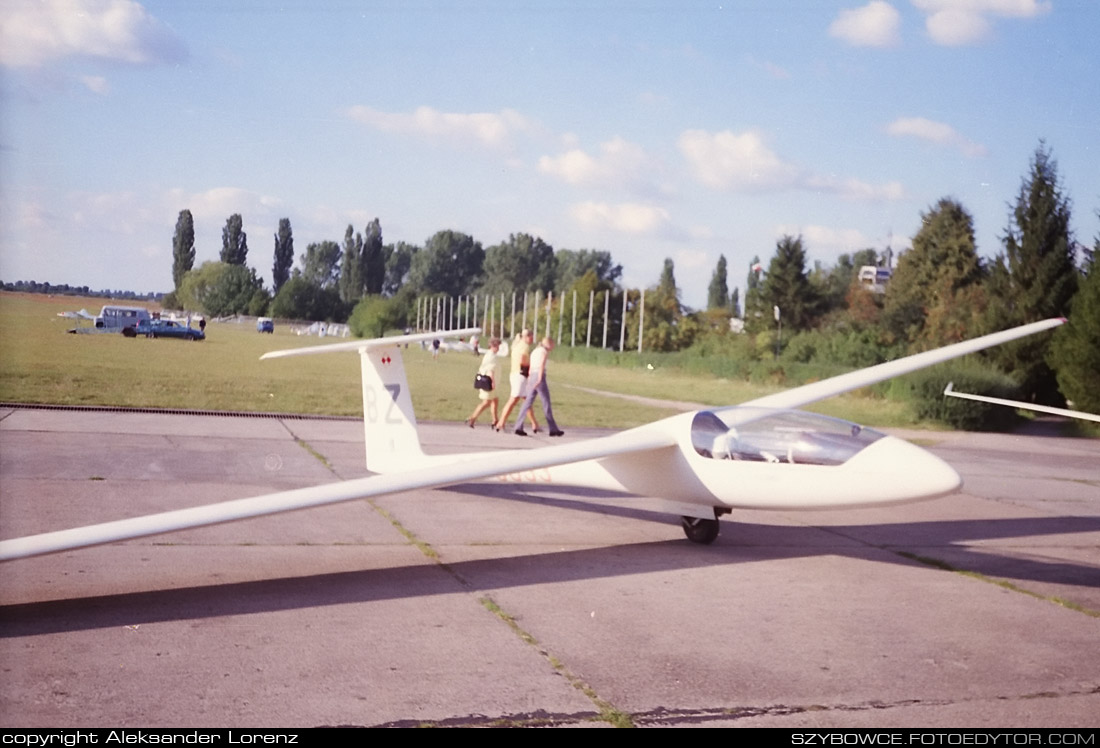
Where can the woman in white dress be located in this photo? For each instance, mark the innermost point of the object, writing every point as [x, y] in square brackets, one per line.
[489, 368]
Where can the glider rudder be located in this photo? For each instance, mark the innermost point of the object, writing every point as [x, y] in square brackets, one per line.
[389, 422]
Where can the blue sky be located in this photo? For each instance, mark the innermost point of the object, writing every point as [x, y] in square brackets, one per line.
[651, 129]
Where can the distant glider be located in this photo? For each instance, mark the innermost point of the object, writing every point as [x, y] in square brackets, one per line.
[701, 465]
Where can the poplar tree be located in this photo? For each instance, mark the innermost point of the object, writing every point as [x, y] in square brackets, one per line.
[755, 316]
[351, 270]
[183, 247]
[284, 255]
[234, 241]
[718, 294]
[373, 259]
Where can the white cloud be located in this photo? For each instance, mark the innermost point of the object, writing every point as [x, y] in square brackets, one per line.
[619, 163]
[776, 71]
[875, 24]
[115, 213]
[855, 189]
[935, 132]
[223, 202]
[36, 32]
[627, 218]
[955, 23]
[955, 27]
[651, 99]
[743, 163]
[33, 216]
[690, 259]
[728, 161]
[493, 129]
[96, 83]
[825, 240]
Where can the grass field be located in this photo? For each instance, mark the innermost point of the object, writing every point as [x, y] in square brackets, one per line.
[39, 363]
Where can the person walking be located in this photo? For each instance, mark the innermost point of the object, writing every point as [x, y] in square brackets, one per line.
[521, 366]
[537, 386]
[491, 369]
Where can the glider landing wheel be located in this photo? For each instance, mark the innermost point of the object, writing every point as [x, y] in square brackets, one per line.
[702, 531]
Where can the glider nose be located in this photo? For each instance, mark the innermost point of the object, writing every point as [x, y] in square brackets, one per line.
[906, 472]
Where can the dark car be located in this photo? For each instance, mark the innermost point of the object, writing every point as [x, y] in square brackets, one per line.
[263, 324]
[165, 328]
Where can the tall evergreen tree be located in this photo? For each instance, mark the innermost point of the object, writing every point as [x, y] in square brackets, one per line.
[1035, 278]
[234, 241]
[718, 293]
[284, 255]
[934, 297]
[1075, 353]
[183, 247]
[787, 284]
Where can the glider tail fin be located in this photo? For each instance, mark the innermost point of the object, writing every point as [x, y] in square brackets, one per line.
[389, 423]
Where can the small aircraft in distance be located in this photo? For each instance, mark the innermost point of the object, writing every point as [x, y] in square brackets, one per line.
[758, 455]
[83, 314]
[950, 392]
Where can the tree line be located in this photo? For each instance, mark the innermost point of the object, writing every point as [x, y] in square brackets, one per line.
[65, 289]
[941, 291]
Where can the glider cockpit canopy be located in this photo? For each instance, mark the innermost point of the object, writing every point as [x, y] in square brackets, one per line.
[767, 435]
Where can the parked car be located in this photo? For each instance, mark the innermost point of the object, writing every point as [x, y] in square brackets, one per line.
[265, 324]
[164, 328]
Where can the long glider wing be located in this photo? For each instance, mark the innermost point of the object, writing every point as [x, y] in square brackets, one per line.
[492, 464]
[854, 380]
[950, 392]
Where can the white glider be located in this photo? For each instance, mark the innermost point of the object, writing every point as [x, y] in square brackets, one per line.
[758, 455]
[82, 314]
[950, 392]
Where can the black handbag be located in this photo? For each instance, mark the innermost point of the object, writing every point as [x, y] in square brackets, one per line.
[483, 382]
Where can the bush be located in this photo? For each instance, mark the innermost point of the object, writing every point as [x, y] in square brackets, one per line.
[301, 299]
[374, 315]
[926, 390]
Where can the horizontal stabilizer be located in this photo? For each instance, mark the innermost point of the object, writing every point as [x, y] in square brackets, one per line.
[368, 343]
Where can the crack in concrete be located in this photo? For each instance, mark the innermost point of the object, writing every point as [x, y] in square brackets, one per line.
[664, 717]
[607, 712]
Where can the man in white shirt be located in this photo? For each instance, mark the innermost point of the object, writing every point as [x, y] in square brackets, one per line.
[537, 386]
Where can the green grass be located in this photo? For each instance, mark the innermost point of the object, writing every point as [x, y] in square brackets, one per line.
[39, 363]
[672, 384]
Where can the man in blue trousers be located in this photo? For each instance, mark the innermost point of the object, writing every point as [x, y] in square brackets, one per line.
[537, 386]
